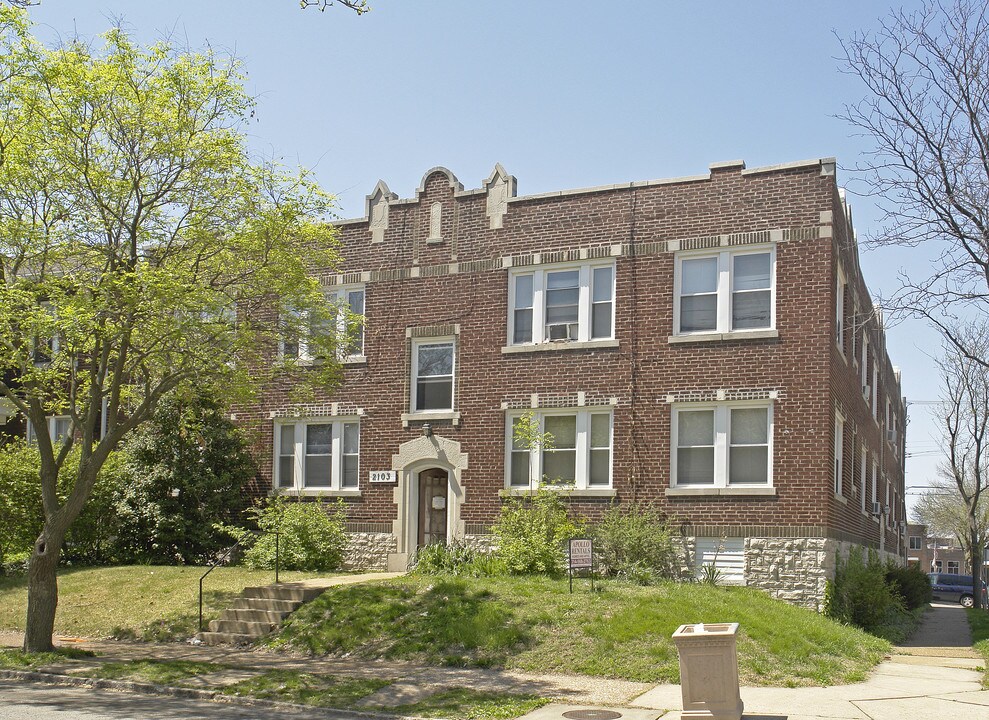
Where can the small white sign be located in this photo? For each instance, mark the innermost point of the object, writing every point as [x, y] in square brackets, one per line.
[383, 476]
[581, 554]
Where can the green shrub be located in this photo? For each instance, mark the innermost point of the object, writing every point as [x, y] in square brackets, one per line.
[531, 532]
[456, 558]
[189, 466]
[860, 595]
[309, 537]
[90, 538]
[636, 542]
[911, 584]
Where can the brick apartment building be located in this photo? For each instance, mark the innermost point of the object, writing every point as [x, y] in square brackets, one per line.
[705, 343]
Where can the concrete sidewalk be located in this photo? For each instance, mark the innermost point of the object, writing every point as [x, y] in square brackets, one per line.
[931, 676]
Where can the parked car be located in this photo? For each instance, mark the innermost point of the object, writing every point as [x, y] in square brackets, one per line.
[957, 588]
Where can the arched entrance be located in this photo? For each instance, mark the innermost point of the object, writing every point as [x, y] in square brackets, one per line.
[428, 495]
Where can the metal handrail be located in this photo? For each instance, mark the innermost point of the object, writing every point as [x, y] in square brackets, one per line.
[226, 556]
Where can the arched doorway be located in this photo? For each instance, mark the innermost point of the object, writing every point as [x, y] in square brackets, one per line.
[428, 495]
[434, 500]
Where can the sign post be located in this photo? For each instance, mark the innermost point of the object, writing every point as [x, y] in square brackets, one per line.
[581, 558]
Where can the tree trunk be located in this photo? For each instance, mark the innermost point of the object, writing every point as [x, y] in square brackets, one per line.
[976, 558]
[42, 591]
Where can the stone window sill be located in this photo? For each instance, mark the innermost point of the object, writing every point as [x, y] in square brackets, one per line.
[562, 345]
[841, 498]
[454, 417]
[354, 360]
[724, 337]
[317, 492]
[720, 491]
[572, 492]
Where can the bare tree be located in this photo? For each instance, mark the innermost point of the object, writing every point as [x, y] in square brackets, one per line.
[358, 6]
[944, 513]
[927, 110]
[965, 423]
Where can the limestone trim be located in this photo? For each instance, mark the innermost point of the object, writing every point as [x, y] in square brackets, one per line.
[553, 346]
[414, 456]
[579, 254]
[734, 336]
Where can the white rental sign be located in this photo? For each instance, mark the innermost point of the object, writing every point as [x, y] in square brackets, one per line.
[581, 554]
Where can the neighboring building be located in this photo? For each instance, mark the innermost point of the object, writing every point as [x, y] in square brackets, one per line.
[707, 344]
[937, 554]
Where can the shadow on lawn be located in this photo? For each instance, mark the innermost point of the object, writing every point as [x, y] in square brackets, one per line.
[179, 626]
[446, 622]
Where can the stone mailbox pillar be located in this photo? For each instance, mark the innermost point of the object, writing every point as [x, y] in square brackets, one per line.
[709, 671]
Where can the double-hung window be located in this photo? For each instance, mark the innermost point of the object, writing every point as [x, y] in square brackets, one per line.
[722, 445]
[350, 321]
[433, 364]
[317, 455]
[727, 291]
[59, 426]
[562, 304]
[839, 453]
[578, 454]
[840, 311]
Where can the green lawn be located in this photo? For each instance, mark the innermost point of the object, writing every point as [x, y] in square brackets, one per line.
[534, 624]
[978, 621]
[141, 601]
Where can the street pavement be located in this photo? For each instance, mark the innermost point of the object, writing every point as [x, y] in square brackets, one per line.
[20, 701]
[933, 676]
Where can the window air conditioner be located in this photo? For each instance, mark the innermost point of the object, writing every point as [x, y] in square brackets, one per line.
[867, 390]
[891, 436]
[561, 331]
[877, 509]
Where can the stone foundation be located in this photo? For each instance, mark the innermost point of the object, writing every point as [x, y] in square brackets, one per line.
[795, 570]
[368, 550]
[481, 543]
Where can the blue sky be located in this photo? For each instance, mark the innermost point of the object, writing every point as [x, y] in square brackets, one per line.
[563, 93]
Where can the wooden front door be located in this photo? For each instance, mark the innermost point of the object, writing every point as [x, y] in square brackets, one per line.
[433, 501]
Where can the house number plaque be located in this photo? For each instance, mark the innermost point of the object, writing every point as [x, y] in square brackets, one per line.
[383, 476]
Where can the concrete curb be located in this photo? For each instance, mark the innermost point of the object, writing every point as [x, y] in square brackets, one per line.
[192, 694]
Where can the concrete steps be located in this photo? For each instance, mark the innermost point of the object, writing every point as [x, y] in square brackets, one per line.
[257, 612]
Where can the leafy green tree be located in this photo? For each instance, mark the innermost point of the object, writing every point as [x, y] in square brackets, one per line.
[188, 469]
[135, 227]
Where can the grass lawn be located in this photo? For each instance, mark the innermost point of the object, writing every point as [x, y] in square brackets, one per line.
[139, 601]
[159, 672]
[534, 624]
[978, 621]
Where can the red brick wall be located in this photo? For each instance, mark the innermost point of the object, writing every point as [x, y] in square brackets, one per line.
[641, 372]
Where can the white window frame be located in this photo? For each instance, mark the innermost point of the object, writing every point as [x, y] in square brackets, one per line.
[52, 422]
[585, 304]
[725, 288]
[839, 453]
[957, 566]
[299, 456]
[722, 423]
[340, 296]
[875, 387]
[840, 310]
[583, 449]
[875, 481]
[865, 366]
[865, 474]
[414, 384]
[919, 545]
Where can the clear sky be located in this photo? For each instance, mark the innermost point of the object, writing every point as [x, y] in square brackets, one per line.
[563, 93]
